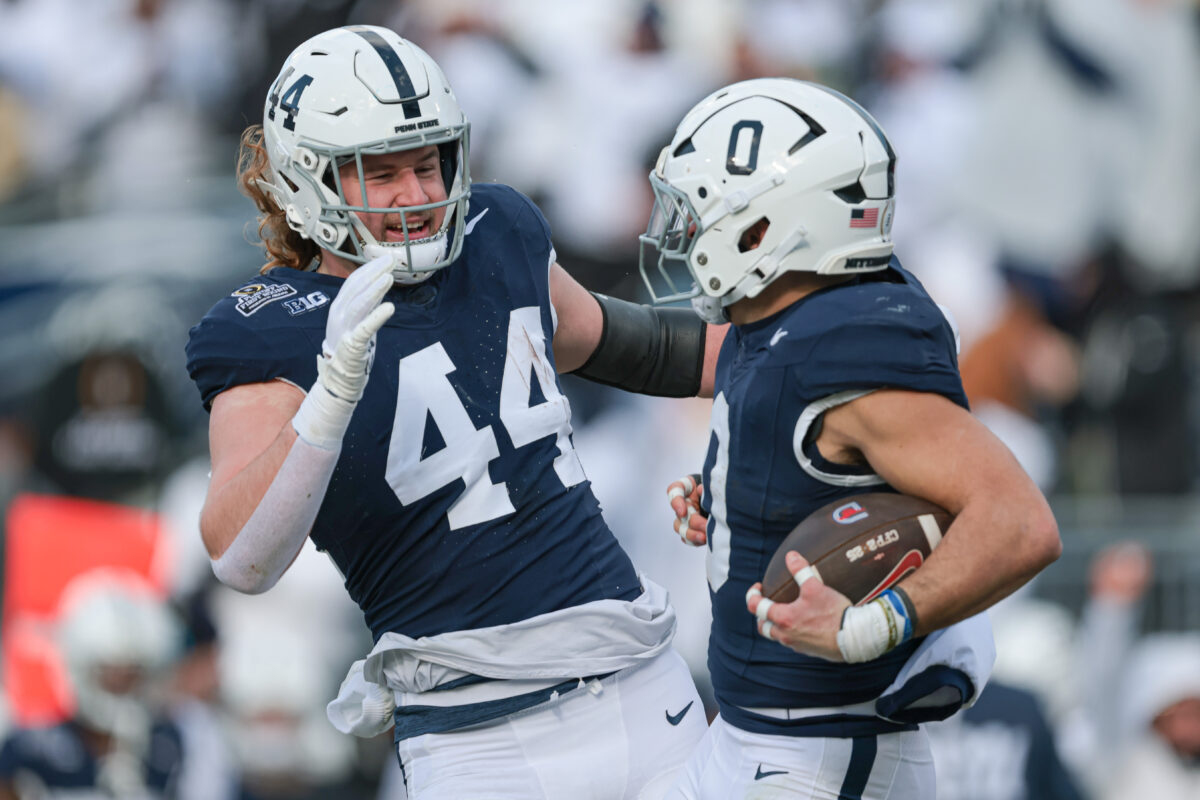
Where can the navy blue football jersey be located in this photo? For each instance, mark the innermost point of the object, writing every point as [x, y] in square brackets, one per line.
[763, 473]
[458, 500]
[57, 759]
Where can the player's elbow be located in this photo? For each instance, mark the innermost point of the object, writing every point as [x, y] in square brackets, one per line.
[244, 578]
[1042, 543]
[228, 569]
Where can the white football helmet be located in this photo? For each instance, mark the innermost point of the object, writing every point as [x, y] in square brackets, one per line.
[355, 91]
[114, 626]
[763, 177]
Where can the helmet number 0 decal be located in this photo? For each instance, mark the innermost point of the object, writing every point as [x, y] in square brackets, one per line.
[290, 101]
[738, 160]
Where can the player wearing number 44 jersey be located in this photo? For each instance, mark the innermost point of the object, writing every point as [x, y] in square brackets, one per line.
[773, 210]
[388, 387]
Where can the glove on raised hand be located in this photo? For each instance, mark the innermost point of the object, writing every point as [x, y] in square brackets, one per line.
[355, 315]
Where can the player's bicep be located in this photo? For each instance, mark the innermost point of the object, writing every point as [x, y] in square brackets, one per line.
[925, 445]
[1003, 533]
[244, 422]
[580, 320]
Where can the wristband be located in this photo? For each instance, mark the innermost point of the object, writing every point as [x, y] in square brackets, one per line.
[869, 631]
[322, 418]
[909, 609]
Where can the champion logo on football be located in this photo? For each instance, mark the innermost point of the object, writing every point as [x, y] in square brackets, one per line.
[851, 512]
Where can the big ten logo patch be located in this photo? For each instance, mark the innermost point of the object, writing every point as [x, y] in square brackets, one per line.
[309, 302]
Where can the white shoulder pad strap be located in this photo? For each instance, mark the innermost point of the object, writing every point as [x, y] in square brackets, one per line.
[807, 418]
[553, 310]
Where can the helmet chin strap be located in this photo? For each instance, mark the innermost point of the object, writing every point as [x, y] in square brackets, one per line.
[710, 309]
[768, 268]
[714, 310]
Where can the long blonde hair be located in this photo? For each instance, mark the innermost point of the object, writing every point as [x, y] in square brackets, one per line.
[285, 247]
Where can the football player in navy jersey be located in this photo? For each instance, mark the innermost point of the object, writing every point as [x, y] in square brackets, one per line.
[773, 210]
[387, 385]
[118, 641]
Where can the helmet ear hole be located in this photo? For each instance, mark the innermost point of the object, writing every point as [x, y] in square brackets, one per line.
[753, 236]
[306, 158]
[327, 233]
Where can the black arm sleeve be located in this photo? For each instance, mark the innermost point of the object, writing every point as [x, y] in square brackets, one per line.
[658, 351]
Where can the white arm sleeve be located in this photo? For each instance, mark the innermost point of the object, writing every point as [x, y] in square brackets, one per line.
[266, 546]
[268, 543]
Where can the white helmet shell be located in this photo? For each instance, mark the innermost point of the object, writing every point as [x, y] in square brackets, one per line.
[764, 177]
[355, 91]
[112, 618]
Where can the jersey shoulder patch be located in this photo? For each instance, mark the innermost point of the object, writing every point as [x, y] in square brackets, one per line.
[267, 328]
[253, 297]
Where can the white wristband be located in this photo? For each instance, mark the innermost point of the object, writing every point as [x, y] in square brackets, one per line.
[322, 418]
[869, 631]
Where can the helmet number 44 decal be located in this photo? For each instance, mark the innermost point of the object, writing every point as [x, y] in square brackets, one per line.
[290, 100]
[738, 161]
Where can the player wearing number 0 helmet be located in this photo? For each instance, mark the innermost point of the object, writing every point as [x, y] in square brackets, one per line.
[839, 376]
[761, 178]
[342, 97]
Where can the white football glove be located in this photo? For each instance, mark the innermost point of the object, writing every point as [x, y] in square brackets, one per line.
[355, 315]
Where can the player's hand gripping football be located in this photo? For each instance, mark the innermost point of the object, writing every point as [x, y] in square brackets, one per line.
[355, 315]
[810, 623]
[690, 523]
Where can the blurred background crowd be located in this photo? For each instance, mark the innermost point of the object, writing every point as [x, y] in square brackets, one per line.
[1049, 198]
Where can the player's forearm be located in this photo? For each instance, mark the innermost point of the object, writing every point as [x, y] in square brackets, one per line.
[230, 503]
[991, 550]
[273, 534]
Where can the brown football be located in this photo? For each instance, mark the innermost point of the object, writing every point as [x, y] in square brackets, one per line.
[860, 545]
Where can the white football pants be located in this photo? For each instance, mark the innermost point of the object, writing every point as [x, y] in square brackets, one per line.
[623, 738]
[732, 763]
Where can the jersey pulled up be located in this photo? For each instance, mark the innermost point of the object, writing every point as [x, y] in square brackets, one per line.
[763, 475]
[458, 501]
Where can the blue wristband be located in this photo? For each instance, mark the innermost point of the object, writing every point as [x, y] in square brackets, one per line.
[899, 614]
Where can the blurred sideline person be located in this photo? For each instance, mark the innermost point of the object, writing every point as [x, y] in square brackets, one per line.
[839, 376]
[285, 748]
[117, 639]
[1001, 748]
[517, 651]
[1160, 753]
